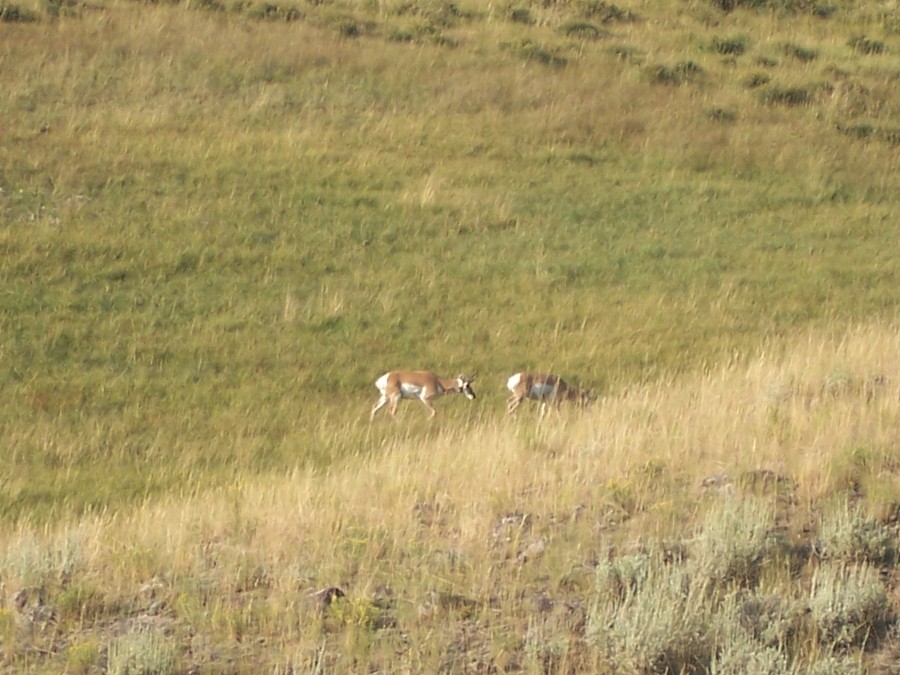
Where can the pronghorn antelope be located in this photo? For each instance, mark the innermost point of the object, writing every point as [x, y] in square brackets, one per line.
[543, 387]
[420, 384]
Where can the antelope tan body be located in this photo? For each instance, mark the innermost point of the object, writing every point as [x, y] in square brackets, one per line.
[547, 388]
[418, 384]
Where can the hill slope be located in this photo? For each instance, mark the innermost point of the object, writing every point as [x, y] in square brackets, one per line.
[713, 523]
[221, 222]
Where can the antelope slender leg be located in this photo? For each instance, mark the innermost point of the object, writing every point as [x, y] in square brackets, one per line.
[378, 406]
[426, 401]
[395, 401]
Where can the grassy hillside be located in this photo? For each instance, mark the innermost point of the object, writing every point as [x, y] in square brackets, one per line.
[220, 222]
[744, 520]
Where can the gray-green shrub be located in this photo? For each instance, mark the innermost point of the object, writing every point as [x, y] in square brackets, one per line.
[654, 621]
[734, 541]
[141, 652]
[848, 534]
[848, 605]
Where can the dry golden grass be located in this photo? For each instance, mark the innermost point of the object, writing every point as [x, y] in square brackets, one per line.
[446, 531]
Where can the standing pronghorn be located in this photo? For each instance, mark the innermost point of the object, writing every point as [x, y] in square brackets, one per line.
[420, 384]
[543, 387]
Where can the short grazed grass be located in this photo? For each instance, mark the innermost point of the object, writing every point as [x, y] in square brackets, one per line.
[218, 230]
[220, 222]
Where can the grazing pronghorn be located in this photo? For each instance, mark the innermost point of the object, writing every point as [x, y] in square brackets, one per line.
[420, 384]
[543, 387]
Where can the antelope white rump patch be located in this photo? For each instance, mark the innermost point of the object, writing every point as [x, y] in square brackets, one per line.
[381, 383]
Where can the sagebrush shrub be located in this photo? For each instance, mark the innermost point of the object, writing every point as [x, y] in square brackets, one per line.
[35, 562]
[799, 52]
[141, 651]
[755, 80]
[745, 655]
[532, 51]
[606, 12]
[734, 542]
[787, 96]
[652, 619]
[849, 534]
[848, 605]
[837, 665]
[864, 45]
[582, 29]
[790, 5]
[772, 620]
[750, 634]
[14, 14]
[622, 574]
[733, 46]
[683, 72]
